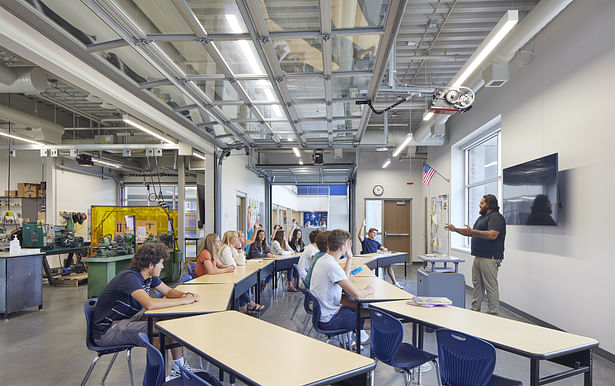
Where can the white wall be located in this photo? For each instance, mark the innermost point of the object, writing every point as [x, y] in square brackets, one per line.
[558, 274]
[237, 178]
[394, 180]
[26, 166]
[284, 196]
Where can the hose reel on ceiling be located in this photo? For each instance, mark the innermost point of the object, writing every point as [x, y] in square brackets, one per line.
[450, 100]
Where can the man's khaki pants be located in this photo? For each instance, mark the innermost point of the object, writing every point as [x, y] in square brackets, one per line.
[485, 279]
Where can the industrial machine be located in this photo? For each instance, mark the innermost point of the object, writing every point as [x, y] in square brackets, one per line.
[450, 100]
[33, 235]
[64, 237]
[121, 244]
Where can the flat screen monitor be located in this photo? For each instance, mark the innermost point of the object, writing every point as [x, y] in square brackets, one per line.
[530, 192]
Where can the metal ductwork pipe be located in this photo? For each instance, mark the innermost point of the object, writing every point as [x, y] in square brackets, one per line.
[23, 80]
[47, 131]
[532, 24]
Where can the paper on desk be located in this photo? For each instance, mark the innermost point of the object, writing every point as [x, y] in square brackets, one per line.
[429, 301]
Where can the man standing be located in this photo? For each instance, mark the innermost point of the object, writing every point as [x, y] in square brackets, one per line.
[369, 244]
[117, 318]
[488, 236]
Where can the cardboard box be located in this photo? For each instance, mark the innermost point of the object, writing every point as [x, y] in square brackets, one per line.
[10, 193]
[27, 190]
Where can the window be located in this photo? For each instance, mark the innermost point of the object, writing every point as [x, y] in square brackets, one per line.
[483, 174]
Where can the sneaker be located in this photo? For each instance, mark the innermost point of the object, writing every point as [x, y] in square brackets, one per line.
[425, 367]
[399, 285]
[174, 373]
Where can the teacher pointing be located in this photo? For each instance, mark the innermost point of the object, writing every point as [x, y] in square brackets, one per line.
[488, 235]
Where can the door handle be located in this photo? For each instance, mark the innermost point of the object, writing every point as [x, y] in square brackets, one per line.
[396, 234]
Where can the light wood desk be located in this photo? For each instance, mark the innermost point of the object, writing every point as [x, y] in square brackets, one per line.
[253, 350]
[282, 263]
[214, 298]
[528, 340]
[383, 291]
[383, 259]
[244, 277]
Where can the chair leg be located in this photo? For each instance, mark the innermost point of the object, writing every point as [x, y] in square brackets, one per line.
[109, 368]
[89, 372]
[129, 360]
[297, 306]
[435, 363]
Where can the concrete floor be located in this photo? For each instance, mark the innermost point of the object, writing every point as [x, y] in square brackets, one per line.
[48, 347]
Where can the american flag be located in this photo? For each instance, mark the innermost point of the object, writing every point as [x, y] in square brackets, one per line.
[428, 173]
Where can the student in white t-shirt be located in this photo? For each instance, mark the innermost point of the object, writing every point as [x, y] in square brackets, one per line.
[307, 257]
[328, 280]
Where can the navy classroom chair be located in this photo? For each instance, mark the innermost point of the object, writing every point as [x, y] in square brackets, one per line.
[185, 277]
[88, 309]
[387, 334]
[316, 320]
[191, 268]
[466, 360]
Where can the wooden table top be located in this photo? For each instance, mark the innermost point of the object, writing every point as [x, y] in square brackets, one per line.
[365, 272]
[383, 289]
[259, 351]
[214, 298]
[241, 272]
[281, 257]
[527, 339]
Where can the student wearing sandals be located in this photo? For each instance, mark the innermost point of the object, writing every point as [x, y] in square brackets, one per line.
[279, 246]
[231, 256]
[207, 262]
[258, 250]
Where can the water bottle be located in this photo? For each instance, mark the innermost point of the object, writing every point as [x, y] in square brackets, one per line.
[14, 247]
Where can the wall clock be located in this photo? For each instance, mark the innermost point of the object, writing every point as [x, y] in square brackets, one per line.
[378, 190]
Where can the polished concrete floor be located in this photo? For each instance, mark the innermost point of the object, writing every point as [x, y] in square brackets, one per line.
[48, 347]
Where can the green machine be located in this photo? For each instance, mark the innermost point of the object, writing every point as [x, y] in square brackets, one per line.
[33, 235]
[172, 267]
[121, 244]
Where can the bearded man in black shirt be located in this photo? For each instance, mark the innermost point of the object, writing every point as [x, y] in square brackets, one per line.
[488, 234]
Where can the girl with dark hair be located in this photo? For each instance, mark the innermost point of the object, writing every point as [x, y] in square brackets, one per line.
[295, 242]
[280, 247]
[259, 249]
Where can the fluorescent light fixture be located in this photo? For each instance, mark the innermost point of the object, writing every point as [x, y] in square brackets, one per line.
[490, 164]
[403, 145]
[132, 122]
[13, 136]
[427, 116]
[198, 155]
[290, 139]
[386, 163]
[501, 29]
[106, 163]
[300, 162]
[296, 152]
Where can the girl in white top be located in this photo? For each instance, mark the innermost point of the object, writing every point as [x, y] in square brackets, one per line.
[279, 246]
[228, 253]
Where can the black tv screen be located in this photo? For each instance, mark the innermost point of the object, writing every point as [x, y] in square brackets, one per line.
[530, 192]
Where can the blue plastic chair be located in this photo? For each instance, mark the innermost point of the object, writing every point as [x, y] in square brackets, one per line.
[88, 309]
[466, 360]
[307, 306]
[190, 379]
[386, 345]
[302, 290]
[316, 321]
[185, 277]
[191, 268]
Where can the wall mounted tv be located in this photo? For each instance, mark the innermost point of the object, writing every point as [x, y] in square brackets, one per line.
[530, 192]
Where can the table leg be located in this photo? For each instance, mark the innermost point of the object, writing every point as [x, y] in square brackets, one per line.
[150, 329]
[414, 334]
[406, 269]
[587, 377]
[358, 329]
[421, 336]
[534, 372]
[69, 260]
[221, 375]
[257, 288]
[371, 377]
[163, 349]
[50, 278]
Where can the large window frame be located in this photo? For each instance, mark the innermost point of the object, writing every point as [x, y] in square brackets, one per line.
[474, 182]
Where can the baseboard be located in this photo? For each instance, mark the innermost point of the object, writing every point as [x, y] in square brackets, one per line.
[598, 351]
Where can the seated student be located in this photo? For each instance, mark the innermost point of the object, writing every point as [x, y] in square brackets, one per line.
[370, 245]
[276, 227]
[328, 281]
[279, 246]
[118, 317]
[258, 250]
[295, 243]
[307, 257]
[251, 236]
[229, 255]
[321, 244]
[207, 262]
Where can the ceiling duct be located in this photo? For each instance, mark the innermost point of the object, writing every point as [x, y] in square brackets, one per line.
[23, 80]
[41, 128]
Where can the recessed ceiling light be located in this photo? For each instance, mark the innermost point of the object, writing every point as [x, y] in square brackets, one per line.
[382, 149]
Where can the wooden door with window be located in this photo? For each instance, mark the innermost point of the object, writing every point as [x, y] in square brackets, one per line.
[396, 229]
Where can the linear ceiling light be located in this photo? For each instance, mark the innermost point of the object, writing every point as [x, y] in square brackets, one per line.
[98, 161]
[403, 145]
[297, 152]
[198, 155]
[13, 136]
[140, 126]
[386, 163]
[427, 116]
[501, 29]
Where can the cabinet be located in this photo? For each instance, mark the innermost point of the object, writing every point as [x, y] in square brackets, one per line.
[436, 278]
[21, 207]
[21, 282]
